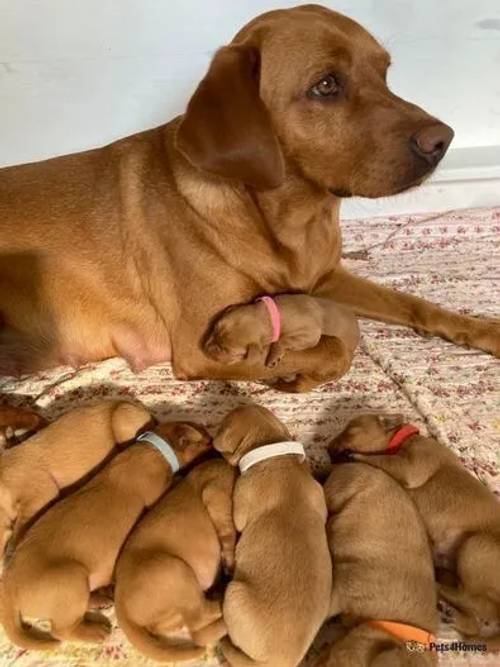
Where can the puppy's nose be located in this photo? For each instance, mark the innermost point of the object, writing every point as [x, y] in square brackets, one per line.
[431, 142]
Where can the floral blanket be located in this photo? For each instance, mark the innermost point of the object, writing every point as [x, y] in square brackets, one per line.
[450, 392]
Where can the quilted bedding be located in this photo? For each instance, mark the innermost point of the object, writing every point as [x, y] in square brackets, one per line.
[453, 393]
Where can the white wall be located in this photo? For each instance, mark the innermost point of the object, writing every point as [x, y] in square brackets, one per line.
[79, 73]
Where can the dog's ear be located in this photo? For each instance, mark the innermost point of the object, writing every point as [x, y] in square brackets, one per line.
[390, 422]
[226, 129]
[227, 439]
[188, 434]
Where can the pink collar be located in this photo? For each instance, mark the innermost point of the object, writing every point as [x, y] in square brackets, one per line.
[274, 314]
[400, 437]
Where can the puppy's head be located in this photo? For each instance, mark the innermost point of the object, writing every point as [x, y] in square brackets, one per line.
[303, 92]
[235, 330]
[366, 433]
[483, 618]
[477, 569]
[245, 429]
[189, 441]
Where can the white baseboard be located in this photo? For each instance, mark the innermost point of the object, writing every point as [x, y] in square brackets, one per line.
[468, 178]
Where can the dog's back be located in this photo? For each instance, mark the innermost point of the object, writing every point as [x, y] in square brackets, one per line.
[382, 563]
[279, 596]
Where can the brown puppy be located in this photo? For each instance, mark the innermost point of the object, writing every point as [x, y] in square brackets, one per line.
[462, 515]
[382, 571]
[173, 556]
[132, 249]
[280, 592]
[34, 473]
[71, 550]
[297, 321]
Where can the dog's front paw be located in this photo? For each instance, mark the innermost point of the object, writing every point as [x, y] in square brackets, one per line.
[487, 336]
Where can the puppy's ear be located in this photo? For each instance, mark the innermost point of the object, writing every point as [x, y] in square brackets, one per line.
[188, 434]
[226, 129]
[390, 422]
[227, 439]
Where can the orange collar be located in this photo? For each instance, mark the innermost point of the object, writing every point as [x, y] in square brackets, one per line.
[404, 632]
[400, 437]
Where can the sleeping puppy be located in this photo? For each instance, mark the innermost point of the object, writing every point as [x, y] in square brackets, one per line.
[71, 550]
[270, 327]
[383, 577]
[280, 592]
[462, 515]
[34, 473]
[172, 557]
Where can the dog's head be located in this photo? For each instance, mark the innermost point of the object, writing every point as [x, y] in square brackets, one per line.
[303, 92]
[188, 440]
[245, 429]
[366, 433]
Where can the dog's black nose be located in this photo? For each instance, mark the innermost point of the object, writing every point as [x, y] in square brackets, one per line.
[431, 142]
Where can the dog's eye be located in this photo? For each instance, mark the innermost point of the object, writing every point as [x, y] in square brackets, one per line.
[326, 87]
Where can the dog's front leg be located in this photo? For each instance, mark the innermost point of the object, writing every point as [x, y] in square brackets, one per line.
[328, 361]
[376, 302]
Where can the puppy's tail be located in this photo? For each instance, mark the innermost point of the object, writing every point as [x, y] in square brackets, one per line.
[20, 633]
[154, 646]
[235, 656]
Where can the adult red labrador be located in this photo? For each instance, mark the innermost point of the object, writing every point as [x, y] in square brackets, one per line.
[131, 249]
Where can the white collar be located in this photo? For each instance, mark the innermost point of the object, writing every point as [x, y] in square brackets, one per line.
[270, 451]
[163, 447]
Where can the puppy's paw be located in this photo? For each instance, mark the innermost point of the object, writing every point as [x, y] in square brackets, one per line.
[102, 598]
[227, 558]
[94, 628]
[356, 456]
[344, 456]
[274, 361]
[101, 632]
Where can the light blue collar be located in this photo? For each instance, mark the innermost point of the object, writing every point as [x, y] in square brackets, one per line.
[163, 447]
